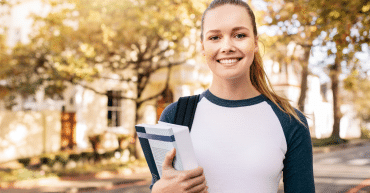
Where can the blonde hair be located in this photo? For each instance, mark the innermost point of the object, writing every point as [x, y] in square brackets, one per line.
[258, 75]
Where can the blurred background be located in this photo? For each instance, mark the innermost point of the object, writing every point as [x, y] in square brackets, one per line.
[76, 76]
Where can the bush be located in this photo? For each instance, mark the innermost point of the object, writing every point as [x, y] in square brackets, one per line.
[47, 160]
[108, 154]
[97, 156]
[365, 133]
[25, 161]
[75, 157]
[62, 158]
[87, 155]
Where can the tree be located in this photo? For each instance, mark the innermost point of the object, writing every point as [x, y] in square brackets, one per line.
[3, 67]
[343, 18]
[307, 20]
[85, 40]
[357, 83]
[295, 25]
[4, 56]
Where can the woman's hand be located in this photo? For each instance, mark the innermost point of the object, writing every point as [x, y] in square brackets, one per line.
[189, 181]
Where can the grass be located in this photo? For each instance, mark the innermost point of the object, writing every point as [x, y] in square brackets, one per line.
[32, 172]
[330, 141]
[22, 174]
[91, 169]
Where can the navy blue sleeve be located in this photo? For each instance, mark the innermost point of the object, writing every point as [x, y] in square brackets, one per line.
[151, 185]
[168, 115]
[298, 163]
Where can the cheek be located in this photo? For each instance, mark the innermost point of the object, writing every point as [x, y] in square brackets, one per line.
[248, 48]
[209, 53]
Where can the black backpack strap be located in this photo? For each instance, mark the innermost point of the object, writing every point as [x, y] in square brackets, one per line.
[186, 107]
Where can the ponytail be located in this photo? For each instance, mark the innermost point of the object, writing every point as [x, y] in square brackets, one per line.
[261, 82]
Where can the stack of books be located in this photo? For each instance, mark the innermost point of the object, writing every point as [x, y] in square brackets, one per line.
[157, 140]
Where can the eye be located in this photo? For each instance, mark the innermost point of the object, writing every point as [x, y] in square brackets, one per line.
[241, 36]
[214, 38]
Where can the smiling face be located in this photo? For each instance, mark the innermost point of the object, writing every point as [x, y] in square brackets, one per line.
[229, 43]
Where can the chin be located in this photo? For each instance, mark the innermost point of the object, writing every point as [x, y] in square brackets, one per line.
[232, 76]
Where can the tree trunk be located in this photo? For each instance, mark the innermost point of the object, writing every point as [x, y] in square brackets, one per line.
[334, 76]
[304, 75]
[137, 148]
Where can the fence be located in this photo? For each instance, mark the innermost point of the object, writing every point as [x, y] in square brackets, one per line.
[28, 133]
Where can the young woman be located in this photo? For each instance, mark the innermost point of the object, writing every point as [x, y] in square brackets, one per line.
[245, 137]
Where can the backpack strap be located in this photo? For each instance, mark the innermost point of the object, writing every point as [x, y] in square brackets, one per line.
[186, 107]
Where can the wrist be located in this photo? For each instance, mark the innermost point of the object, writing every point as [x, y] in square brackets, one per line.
[155, 188]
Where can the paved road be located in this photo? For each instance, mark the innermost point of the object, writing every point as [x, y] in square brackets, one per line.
[343, 170]
[132, 189]
[335, 172]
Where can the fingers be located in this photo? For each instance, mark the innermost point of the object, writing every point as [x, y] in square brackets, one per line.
[195, 172]
[191, 180]
[200, 185]
[205, 190]
[196, 181]
[167, 163]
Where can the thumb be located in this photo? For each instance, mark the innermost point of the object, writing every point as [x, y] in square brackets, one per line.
[167, 163]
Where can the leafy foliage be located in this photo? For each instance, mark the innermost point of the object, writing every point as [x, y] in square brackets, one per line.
[341, 26]
[358, 83]
[82, 41]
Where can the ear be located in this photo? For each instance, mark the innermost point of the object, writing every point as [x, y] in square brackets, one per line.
[256, 44]
[203, 52]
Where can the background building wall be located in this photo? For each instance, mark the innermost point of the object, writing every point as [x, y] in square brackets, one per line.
[28, 133]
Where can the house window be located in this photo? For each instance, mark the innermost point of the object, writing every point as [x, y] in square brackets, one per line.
[114, 108]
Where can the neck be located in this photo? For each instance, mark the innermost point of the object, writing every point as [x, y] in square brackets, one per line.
[233, 89]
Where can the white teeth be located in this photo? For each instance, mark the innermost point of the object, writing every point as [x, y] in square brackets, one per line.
[228, 61]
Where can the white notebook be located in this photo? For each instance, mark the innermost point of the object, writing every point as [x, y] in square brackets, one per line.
[157, 140]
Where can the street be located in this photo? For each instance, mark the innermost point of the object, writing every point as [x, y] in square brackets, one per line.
[342, 170]
[335, 172]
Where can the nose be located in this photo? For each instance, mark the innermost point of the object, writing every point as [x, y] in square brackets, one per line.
[227, 46]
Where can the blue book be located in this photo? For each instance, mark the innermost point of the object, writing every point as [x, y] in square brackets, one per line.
[157, 140]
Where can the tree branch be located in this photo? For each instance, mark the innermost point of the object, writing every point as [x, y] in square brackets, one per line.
[120, 79]
[157, 54]
[167, 66]
[94, 90]
[163, 91]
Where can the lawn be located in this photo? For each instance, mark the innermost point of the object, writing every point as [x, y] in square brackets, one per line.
[63, 164]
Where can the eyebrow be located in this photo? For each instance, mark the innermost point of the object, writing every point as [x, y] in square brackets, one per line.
[234, 29]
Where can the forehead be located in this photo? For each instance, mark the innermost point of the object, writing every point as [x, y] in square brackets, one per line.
[227, 16]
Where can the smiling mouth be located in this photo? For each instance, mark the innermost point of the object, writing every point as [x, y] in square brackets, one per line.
[229, 61]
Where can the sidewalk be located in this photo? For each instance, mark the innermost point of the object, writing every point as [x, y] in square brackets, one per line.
[101, 181]
[107, 180]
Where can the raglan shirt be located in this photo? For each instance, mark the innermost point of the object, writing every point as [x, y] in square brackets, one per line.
[248, 145]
